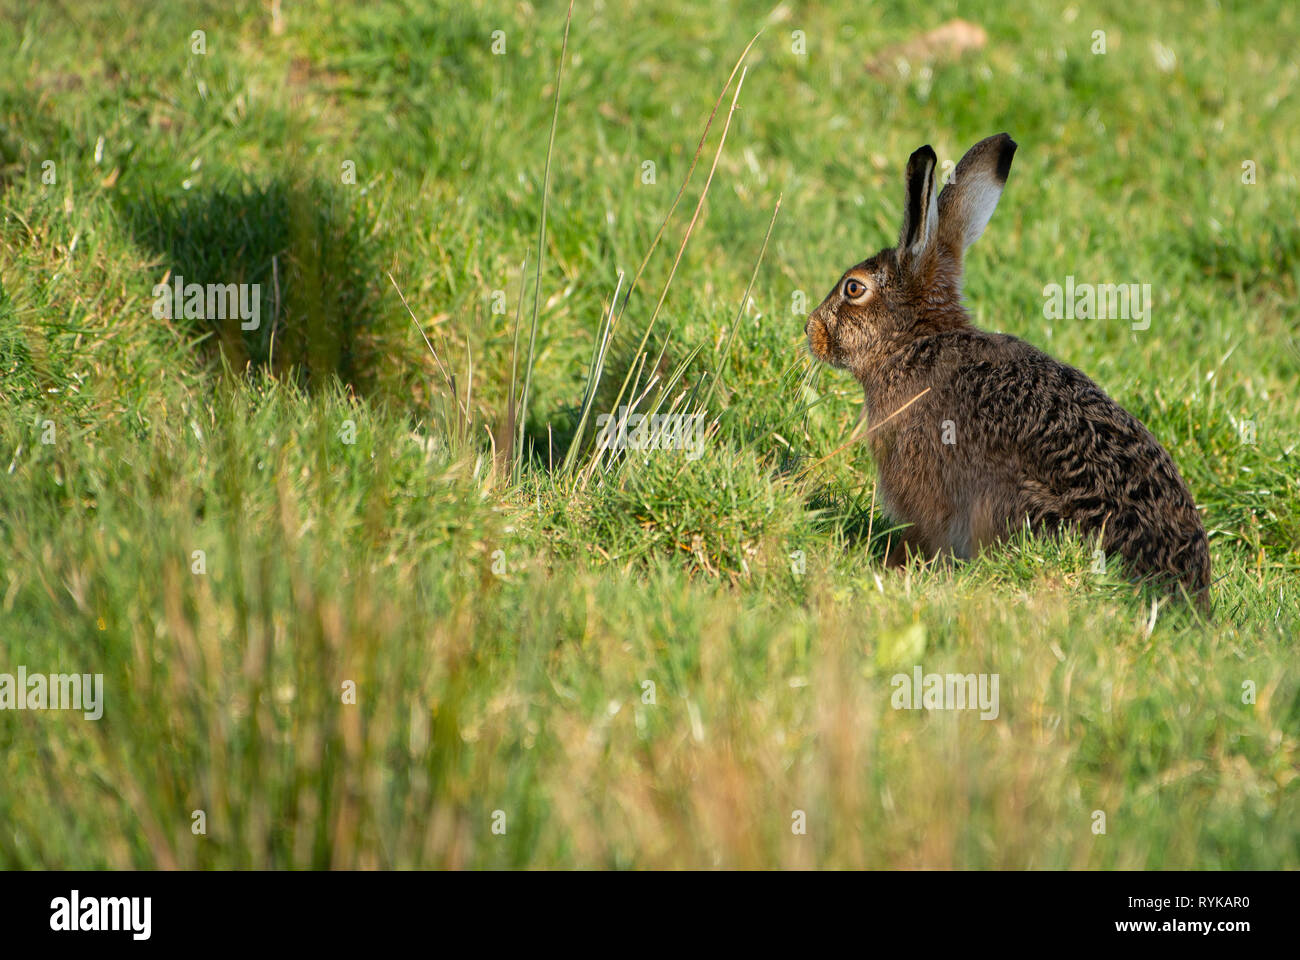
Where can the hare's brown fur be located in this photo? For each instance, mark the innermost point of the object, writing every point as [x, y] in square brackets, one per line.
[976, 434]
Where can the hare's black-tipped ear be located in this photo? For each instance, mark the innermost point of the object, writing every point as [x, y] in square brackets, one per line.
[920, 212]
[971, 196]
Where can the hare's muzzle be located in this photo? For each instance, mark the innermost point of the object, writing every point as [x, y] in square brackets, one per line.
[819, 340]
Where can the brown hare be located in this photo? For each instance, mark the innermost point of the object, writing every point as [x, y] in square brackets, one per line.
[976, 434]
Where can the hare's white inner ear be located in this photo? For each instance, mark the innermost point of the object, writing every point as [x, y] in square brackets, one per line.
[983, 201]
[968, 201]
[930, 220]
[920, 207]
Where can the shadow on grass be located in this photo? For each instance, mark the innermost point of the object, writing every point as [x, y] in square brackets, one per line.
[861, 529]
[313, 312]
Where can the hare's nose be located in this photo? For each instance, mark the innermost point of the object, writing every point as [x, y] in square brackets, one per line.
[807, 325]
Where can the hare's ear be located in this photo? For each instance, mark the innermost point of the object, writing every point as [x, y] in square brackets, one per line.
[971, 196]
[920, 211]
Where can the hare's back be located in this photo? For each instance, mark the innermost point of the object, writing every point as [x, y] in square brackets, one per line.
[1094, 462]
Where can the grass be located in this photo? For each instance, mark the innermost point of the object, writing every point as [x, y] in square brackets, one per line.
[643, 661]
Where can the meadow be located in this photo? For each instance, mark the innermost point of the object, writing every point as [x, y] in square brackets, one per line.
[362, 588]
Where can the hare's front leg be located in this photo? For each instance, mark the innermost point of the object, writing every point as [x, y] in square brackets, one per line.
[903, 543]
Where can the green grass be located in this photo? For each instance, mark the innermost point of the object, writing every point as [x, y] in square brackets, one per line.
[503, 608]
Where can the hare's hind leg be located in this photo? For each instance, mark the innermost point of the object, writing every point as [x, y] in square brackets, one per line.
[1001, 510]
[990, 518]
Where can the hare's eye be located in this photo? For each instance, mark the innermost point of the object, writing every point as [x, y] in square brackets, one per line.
[854, 288]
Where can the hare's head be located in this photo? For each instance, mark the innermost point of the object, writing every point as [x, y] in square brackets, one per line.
[915, 288]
